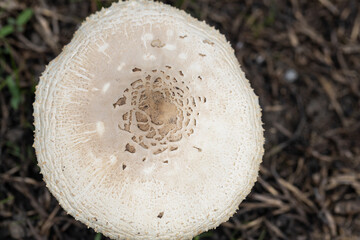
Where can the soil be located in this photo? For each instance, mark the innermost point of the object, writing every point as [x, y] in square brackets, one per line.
[302, 57]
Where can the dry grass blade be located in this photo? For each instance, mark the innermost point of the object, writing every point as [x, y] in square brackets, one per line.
[252, 224]
[348, 207]
[297, 193]
[356, 28]
[45, 228]
[331, 93]
[268, 187]
[275, 230]
[329, 5]
[267, 199]
[22, 189]
[330, 222]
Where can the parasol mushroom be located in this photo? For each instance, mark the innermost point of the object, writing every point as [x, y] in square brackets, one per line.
[145, 125]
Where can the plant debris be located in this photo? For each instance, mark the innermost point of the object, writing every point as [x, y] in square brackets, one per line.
[302, 58]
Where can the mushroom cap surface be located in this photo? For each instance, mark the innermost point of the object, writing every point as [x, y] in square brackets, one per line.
[145, 125]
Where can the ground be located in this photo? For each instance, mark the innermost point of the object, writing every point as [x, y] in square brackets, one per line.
[302, 58]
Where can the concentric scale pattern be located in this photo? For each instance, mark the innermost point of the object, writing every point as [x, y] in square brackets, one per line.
[161, 108]
[145, 125]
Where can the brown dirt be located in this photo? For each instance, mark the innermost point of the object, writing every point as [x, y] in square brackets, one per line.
[302, 58]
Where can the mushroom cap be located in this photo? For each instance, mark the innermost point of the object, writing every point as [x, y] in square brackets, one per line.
[145, 125]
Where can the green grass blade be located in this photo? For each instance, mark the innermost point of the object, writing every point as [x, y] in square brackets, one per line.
[97, 236]
[14, 91]
[24, 17]
[6, 30]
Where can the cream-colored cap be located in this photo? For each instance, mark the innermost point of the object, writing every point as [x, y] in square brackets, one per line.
[146, 127]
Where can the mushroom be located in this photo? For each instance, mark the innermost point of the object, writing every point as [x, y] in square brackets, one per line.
[145, 125]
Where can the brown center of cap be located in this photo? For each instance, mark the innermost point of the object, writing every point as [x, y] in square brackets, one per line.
[162, 110]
